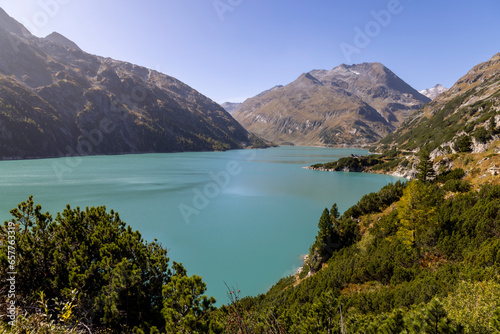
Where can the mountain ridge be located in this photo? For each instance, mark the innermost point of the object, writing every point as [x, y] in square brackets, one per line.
[433, 92]
[53, 95]
[352, 105]
[465, 110]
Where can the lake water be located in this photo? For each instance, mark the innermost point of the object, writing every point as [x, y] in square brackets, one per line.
[241, 217]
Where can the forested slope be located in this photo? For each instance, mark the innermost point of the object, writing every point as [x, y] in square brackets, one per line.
[426, 263]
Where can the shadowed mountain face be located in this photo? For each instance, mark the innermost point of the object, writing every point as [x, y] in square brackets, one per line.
[57, 100]
[349, 105]
[469, 109]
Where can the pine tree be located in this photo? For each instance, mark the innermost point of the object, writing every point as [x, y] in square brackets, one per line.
[185, 308]
[425, 172]
[395, 324]
[436, 318]
[463, 144]
[325, 227]
[334, 212]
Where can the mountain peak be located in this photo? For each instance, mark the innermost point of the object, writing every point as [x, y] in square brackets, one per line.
[348, 105]
[60, 39]
[431, 93]
[306, 80]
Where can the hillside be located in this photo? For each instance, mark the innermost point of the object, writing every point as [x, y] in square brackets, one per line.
[57, 100]
[415, 258]
[459, 128]
[468, 112]
[348, 105]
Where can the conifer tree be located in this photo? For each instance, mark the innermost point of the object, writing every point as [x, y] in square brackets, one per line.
[425, 172]
[325, 227]
[395, 324]
[436, 318]
[334, 212]
[463, 144]
[185, 308]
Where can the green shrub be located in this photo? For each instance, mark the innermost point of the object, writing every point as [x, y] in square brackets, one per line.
[482, 135]
[463, 144]
[454, 174]
[457, 186]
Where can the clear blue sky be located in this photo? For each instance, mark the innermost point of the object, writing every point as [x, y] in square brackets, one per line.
[247, 46]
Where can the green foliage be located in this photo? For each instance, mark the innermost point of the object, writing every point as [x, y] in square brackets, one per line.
[325, 226]
[482, 135]
[394, 324]
[376, 202]
[493, 125]
[457, 186]
[350, 163]
[376, 162]
[425, 172]
[444, 124]
[323, 316]
[408, 272]
[436, 318]
[495, 320]
[454, 174]
[388, 165]
[334, 212]
[88, 266]
[327, 240]
[463, 144]
[474, 304]
[38, 323]
[185, 307]
[305, 270]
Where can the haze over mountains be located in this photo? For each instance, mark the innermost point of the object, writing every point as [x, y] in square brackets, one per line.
[348, 105]
[231, 107]
[57, 100]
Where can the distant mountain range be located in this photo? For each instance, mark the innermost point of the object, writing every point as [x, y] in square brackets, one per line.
[348, 105]
[57, 100]
[231, 107]
[431, 93]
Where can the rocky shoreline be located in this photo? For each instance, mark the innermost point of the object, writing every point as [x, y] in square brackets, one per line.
[406, 173]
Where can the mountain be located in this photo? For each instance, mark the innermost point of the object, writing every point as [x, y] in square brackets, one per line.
[57, 100]
[431, 93]
[231, 107]
[348, 105]
[464, 118]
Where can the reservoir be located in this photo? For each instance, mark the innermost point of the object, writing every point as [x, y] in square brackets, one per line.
[242, 217]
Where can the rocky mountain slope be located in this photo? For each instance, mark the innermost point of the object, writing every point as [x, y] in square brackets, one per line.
[462, 119]
[431, 93]
[57, 100]
[349, 105]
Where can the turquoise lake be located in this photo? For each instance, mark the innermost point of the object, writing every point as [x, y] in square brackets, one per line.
[242, 217]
